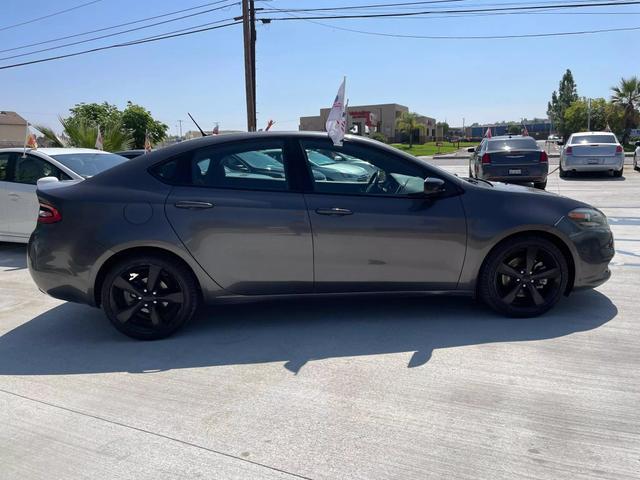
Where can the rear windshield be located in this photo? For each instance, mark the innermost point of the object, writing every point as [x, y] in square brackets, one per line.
[584, 139]
[89, 164]
[513, 144]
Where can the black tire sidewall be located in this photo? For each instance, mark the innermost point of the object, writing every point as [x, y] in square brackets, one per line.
[180, 273]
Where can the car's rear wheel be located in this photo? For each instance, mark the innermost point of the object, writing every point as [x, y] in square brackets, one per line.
[149, 297]
[635, 163]
[540, 185]
[618, 173]
[562, 172]
[523, 277]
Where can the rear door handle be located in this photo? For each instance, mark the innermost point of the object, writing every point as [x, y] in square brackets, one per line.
[334, 211]
[193, 205]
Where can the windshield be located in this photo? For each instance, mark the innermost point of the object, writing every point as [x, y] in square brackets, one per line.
[513, 144]
[585, 139]
[260, 160]
[89, 164]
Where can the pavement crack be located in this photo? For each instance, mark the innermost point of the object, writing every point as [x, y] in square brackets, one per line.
[159, 435]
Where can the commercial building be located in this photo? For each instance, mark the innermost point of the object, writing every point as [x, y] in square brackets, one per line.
[374, 118]
[12, 129]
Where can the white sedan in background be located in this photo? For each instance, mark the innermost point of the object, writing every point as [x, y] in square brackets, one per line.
[636, 157]
[592, 152]
[20, 171]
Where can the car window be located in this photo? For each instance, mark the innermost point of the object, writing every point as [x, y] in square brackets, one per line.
[357, 170]
[240, 166]
[4, 166]
[89, 164]
[513, 144]
[584, 139]
[30, 169]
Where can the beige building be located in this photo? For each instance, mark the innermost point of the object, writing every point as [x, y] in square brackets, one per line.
[378, 118]
[12, 129]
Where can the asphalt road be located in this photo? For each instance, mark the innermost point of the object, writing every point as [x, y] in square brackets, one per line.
[403, 388]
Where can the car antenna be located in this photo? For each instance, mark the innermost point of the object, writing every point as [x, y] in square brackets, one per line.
[194, 121]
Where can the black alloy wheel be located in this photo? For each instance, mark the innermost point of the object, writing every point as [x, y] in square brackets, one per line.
[149, 298]
[524, 277]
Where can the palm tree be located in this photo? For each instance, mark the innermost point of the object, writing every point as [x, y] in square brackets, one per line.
[80, 134]
[408, 123]
[627, 95]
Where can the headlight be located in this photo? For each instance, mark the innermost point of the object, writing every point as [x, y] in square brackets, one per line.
[588, 217]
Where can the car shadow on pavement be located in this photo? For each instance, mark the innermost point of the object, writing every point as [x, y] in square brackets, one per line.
[13, 256]
[593, 176]
[75, 339]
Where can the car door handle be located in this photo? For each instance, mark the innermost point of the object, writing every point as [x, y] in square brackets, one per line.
[193, 205]
[334, 211]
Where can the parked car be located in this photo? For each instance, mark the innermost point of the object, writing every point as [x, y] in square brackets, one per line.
[512, 159]
[19, 172]
[171, 236]
[131, 153]
[636, 157]
[592, 152]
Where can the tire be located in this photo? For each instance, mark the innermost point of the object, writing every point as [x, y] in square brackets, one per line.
[540, 185]
[562, 172]
[503, 286]
[129, 304]
[618, 173]
[635, 163]
[470, 172]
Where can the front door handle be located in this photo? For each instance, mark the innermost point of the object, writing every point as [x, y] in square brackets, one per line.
[334, 211]
[193, 205]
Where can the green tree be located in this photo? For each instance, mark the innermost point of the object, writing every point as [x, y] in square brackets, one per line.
[82, 134]
[138, 120]
[627, 95]
[604, 115]
[445, 127]
[561, 100]
[514, 129]
[94, 114]
[409, 123]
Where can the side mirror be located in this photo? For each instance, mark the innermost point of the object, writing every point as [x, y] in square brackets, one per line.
[559, 143]
[637, 144]
[433, 186]
[45, 180]
[471, 149]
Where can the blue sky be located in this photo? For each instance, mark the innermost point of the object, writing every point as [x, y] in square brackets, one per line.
[300, 64]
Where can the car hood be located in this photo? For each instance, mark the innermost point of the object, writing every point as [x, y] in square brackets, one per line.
[509, 187]
[346, 168]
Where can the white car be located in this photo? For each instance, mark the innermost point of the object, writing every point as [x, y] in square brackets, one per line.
[20, 170]
[636, 157]
[592, 152]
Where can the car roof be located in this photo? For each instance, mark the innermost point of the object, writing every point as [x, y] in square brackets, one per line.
[594, 133]
[508, 137]
[55, 151]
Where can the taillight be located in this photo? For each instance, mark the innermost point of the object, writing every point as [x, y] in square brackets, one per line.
[48, 214]
[486, 159]
[568, 151]
[544, 158]
[619, 149]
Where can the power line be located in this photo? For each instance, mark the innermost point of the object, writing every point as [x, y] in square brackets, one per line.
[118, 45]
[121, 32]
[474, 10]
[376, 5]
[49, 15]
[126, 24]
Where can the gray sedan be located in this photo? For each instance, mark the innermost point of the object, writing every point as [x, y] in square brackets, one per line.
[512, 159]
[152, 239]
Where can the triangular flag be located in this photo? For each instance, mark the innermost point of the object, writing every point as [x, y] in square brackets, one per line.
[99, 140]
[336, 122]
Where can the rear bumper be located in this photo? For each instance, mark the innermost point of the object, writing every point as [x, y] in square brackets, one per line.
[507, 173]
[604, 164]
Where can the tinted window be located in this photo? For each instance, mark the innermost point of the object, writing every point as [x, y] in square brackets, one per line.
[593, 139]
[246, 166]
[4, 165]
[356, 170]
[513, 144]
[89, 164]
[29, 169]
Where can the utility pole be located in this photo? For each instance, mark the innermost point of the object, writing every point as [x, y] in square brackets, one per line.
[248, 29]
[589, 117]
[180, 124]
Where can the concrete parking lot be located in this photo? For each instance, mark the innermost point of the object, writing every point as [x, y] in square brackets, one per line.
[421, 387]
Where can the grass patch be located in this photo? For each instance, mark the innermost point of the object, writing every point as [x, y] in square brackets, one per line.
[430, 148]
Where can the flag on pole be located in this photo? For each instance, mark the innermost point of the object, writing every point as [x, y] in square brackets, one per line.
[608, 129]
[337, 122]
[488, 133]
[29, 141]
[99, 140]
[270, 124]
[525, 131]
[147, 141]
[215, 130]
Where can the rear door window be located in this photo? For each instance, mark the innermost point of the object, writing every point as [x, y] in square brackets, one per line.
[30, 169]
[4, 166]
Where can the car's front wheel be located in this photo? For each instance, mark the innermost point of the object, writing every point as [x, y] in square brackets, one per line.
[149, 297]
[523, 277]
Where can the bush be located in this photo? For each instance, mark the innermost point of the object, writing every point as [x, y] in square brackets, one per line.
[379, 137]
